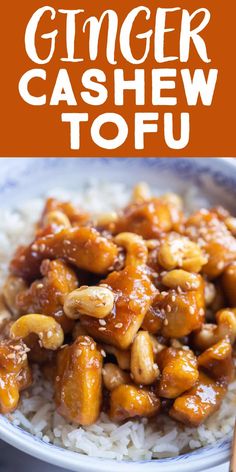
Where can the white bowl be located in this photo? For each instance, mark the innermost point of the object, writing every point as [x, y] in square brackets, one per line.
[21, 179]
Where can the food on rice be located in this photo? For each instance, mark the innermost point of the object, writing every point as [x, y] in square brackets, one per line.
[119, 316]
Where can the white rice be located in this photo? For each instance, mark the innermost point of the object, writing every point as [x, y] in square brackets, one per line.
[134, 440]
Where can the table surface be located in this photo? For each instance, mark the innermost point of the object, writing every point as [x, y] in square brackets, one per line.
[12, 460]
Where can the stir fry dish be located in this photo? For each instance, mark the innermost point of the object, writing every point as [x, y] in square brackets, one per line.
[132, 312]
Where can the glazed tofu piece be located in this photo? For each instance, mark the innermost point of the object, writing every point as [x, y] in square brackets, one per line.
[195, 406]
[218, 361]
[148, 219]
[128, 401]
[46, 295]
[179, 371]
[181, 309]
[134, 293]
[78, 384]
[154, 318]
[228, 282]
[213, 236]
[15, 374]
[82, 247]
[185, 315]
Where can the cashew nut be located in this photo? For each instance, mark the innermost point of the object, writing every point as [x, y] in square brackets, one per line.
[13, 285]
[211, 334]
[5, 315]
[152, 244]
[122, 357]
[57, 218]
[135, 246]
[143, 367]
[141, 193]
[94, 301]
[209, 292]
[113, 376]
[179, 251]
[156, 345]
[231, 224]
[48, 330]
[181, 278]
[173, 199]
[105, 219]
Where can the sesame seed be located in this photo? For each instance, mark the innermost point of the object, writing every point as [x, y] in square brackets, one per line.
[166, 322]
[102, 322]
[118, 325]
[103, 353]
[191, 310]
[40, 285]
[101, 328]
